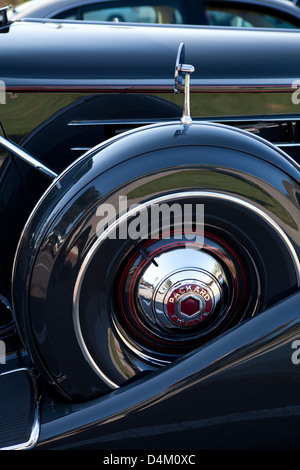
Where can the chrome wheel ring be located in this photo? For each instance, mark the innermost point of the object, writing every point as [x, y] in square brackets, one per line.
[214, 285]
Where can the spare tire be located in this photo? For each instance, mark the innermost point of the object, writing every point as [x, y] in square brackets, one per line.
[97, 309]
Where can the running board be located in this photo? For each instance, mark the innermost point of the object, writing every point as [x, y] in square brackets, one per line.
[19, 411]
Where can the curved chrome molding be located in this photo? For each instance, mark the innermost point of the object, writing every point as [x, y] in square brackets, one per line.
[122, 218]
[35, 430]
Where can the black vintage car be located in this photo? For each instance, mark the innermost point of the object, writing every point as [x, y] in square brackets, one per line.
[150, 237]
[248, 13]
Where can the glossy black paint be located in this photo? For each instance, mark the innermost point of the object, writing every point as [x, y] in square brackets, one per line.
[53, 140]
[17, 199]
[242, 378]
[66, 218]
[234, 398]
[27, 66]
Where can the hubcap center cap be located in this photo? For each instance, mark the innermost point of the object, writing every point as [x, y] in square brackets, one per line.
[188, 304]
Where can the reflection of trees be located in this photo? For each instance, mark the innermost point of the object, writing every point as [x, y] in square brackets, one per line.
[3, 155]
[3, 166]
[119, 356]
[89, 121]
[77, 242]
[214, 180]
[81, 205]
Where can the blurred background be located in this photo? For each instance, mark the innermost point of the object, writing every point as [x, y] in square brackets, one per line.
[14, 3]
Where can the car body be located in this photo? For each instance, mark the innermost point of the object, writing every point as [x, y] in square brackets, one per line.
[183, 340]
[247, 13]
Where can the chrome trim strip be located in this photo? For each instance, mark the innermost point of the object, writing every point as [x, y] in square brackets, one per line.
[122, 218]
[35, 430]
[19, 152]
[123, 122]
[292, 144]
[139, 122]
[141, 25]
[233, 86]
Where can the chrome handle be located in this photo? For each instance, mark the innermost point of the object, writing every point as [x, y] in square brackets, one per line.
[183, 73]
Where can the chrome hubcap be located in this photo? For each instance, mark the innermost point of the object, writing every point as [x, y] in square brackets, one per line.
[182, 289]
[174, 295]
[163, 297]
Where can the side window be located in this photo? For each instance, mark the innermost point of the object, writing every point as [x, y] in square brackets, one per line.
[136, 12]
[245, 18]
[71, 14]
[139, 14]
